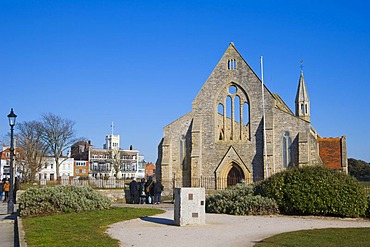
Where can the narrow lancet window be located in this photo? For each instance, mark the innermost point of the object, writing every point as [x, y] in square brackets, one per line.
[287, 152]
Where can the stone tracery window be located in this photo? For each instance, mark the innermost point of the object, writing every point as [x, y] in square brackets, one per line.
[233, 115]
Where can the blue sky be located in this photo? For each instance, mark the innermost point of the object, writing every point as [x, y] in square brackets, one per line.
[140, 64]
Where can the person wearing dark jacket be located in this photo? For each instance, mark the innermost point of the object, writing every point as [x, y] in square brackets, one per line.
[134, 191]
[158, 188]
[149, 190]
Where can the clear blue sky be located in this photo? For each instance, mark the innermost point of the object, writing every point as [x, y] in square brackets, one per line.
[140, 64]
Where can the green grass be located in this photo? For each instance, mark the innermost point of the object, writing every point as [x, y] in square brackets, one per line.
[366, 186]
[365, 183]
[79, 229]
[330, 237]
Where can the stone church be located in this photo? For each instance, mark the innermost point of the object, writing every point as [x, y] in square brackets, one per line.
[240, 131]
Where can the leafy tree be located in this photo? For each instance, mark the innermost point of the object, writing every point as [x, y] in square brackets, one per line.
[359, 169]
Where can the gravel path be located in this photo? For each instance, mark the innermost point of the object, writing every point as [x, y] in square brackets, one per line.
[219, 230]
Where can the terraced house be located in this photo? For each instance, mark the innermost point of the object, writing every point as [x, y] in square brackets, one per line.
[239, 130]
[109, 161]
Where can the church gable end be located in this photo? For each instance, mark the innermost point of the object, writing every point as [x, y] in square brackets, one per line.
[235, 132]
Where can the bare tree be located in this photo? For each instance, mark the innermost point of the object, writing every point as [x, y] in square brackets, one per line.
[29, 139]
[116, 161]
[58, 134]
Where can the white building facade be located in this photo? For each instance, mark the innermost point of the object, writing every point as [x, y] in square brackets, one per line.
[49, 169]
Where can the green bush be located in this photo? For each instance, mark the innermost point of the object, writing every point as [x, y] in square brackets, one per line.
[239, 200]
[66, 198]
[315, 190]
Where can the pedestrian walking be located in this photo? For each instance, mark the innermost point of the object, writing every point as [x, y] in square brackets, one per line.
[158, 188]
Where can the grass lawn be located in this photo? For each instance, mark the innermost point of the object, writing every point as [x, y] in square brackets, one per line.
[79, 229]
[331, 237]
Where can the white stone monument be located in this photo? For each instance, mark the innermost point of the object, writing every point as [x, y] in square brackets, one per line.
[190, 208]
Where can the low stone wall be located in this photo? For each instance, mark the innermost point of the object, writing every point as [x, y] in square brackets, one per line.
[116, 196]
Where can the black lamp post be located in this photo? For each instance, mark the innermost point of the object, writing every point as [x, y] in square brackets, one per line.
[11, 118]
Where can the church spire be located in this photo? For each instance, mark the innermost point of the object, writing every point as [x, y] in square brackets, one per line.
[302, 102]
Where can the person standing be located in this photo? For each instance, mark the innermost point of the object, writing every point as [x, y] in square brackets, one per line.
[158, 188]
[142, 193]
[133, 191]
[149, 190]
[6, 189]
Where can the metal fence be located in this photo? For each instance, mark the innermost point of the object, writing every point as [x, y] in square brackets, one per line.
[209, 183]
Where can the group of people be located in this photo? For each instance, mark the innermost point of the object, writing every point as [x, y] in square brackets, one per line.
[148, 192]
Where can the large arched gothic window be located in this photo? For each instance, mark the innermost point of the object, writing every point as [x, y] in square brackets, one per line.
[233, 114]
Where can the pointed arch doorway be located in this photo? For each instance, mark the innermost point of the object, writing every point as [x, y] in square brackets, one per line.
[235, 175]
[231, 170]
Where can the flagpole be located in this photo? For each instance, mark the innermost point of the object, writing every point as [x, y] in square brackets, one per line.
[264, 121]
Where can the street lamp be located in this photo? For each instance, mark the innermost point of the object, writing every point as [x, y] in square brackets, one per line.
[11, 118]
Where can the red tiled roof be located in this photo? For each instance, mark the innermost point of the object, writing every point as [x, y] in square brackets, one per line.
[331, 152]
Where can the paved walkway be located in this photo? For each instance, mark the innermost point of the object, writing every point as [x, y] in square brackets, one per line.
[7, 227]
[219, 230]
